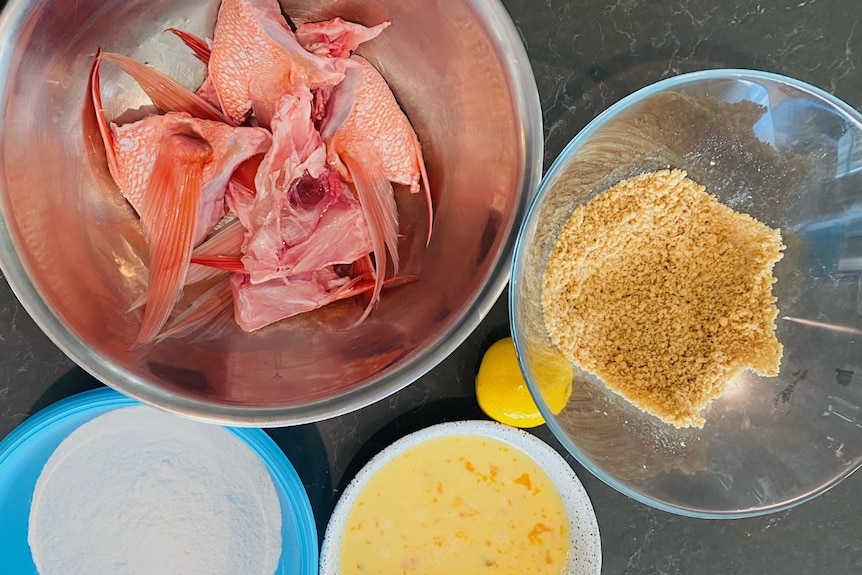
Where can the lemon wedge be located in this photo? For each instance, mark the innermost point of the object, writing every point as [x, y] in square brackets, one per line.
[503, 394]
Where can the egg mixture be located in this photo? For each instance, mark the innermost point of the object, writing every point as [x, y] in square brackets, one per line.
[457, 504]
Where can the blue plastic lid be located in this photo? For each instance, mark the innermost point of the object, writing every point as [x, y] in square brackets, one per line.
[24, 452]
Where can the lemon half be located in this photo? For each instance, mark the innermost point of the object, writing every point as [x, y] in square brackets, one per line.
[503, 394]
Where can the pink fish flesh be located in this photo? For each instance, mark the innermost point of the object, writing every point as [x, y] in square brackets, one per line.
[258, 305]
[302, 217]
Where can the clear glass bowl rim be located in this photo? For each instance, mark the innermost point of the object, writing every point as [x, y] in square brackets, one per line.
[559, 163]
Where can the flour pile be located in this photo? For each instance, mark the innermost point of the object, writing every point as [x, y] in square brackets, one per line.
[138, 491]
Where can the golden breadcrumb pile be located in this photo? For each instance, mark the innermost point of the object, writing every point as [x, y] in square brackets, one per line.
[664, 293]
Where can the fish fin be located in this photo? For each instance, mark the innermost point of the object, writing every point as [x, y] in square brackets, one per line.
[198, 273]
[223, 263]
[363, 267]
[377, 200]
[166, 93]
[138, 303]
[208, 317]
[246, 172]
[227, 240]
[381, 215]
[358, 286]
[104, 127]
[168, 216]
[417, 147]
[197, 45]
[363, 271]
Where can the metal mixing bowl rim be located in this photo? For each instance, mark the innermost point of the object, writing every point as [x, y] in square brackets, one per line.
[517, 262]
[514, 61]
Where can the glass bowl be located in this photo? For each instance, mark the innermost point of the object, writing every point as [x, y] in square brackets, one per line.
[788, 154]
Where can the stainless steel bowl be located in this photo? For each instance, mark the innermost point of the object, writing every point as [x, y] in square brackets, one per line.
[71, 249]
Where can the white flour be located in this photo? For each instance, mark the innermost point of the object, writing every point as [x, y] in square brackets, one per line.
[141, 492]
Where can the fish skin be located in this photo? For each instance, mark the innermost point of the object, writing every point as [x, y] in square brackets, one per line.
[256, 58]
[136, 146]
[375, 122]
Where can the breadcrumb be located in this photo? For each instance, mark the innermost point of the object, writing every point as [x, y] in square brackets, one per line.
[664, 293]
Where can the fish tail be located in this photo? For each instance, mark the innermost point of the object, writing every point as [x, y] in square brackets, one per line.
[166, 93]
[381, 214]
[196, 44]
[168, 217]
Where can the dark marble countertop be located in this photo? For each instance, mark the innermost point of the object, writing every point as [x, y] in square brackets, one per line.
[586, 55]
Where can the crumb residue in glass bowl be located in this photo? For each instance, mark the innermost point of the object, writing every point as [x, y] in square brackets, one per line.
[664, 293]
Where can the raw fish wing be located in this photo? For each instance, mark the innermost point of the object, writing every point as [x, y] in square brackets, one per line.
[369, 118]
[136, 146]
[371, 143]
[256, 58]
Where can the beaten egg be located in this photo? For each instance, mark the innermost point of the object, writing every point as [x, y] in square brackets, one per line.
[457, 504]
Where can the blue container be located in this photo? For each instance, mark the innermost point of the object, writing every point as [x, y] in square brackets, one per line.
[25, 451]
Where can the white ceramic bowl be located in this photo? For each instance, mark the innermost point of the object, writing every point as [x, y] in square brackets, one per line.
[585, 557]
